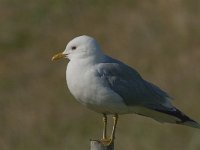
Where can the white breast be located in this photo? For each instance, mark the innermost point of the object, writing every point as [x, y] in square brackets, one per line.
[89, 90]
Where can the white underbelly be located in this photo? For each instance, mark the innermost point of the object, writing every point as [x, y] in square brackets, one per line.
[102, 100]
[92, 93]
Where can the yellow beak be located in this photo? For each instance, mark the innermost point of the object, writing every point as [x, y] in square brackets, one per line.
[58, 56]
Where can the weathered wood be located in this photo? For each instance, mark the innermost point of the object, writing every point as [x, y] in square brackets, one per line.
[97, 145]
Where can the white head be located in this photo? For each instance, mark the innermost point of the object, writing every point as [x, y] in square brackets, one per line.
[80, 47]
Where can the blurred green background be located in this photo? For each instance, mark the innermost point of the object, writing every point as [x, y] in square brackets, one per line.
[161, 39]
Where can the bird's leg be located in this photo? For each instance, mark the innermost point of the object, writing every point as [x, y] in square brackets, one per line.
[105, 140]
[104, 126]
[115, 119]
[108, 141]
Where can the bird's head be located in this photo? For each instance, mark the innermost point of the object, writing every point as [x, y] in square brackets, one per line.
[79, 47]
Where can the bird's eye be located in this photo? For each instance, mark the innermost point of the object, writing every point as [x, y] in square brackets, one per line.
[73, 47]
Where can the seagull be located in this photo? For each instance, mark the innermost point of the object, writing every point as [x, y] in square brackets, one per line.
[110, 87]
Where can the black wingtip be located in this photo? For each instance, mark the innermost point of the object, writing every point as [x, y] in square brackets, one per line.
[192, 123]
[183, 119]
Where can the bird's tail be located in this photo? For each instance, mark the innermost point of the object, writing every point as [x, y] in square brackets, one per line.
[162, 114]
[192, 123]
[181, 118]
[185, 120]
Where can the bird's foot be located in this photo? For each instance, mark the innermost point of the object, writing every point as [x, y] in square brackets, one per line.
[107, 141]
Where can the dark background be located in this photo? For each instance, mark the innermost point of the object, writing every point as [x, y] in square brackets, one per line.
[161, 39]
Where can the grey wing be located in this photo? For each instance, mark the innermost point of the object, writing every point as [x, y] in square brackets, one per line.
[134, 90]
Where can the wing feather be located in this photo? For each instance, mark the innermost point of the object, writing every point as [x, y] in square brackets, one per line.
[128, 83]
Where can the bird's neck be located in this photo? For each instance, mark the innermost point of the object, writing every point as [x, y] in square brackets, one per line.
[88, 60]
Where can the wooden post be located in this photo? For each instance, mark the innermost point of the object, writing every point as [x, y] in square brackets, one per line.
[97, 145]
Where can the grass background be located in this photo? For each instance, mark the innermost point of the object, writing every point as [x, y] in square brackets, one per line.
[159, 38]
